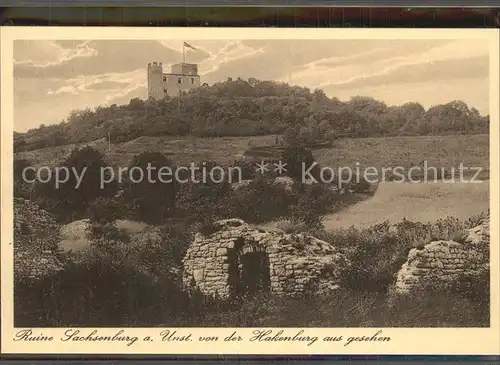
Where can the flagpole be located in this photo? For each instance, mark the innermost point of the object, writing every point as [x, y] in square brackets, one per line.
[182, 76]
[179, 101]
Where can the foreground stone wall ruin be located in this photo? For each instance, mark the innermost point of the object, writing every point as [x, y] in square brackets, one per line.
[298, 263]
[295, 263]
[35, 241]
[444, 260]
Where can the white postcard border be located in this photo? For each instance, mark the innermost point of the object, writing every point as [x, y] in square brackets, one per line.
[415, 341]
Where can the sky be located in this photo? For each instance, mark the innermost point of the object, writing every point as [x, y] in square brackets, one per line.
[52, 78]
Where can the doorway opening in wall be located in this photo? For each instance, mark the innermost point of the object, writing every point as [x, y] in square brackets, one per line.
[254, 273]
[249, 271]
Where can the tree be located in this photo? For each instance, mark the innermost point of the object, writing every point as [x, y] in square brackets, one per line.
[253, 107]
[80, 178]
[298, 159]
[137, 104]
[90, 164]
[200, 198]
[102, 230]
[151, 187]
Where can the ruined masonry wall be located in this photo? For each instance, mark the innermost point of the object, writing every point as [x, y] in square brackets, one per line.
[35, 241]
[297, 263]
[444, 260]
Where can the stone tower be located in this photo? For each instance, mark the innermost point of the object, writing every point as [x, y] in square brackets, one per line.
[155, 84]
[182, 78]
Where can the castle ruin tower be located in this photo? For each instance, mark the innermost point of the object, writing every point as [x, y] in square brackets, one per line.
[155, 81]
[182, 78]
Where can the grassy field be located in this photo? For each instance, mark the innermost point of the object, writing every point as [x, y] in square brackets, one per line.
[182, 150]
[439, 151]
[414, 202]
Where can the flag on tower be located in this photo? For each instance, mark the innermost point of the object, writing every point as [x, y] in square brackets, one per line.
[189, 46]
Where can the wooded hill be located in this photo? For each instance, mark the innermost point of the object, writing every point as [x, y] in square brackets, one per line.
[251, 108]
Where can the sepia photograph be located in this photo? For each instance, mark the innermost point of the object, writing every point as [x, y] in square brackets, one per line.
[287, 182]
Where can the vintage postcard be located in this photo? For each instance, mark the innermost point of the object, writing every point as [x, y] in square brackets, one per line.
[249, 191]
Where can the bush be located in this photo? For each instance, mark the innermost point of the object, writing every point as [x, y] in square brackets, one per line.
[104, 210]
[152, 199]
[263, 200]
[360, 185]
[92, 162]
[289, 225]
[476, 219]
[312, 201]
[295, 158]
[70, 201]
[176, 237]
[259, 201]
[102, 230]
[475, 286]
[375, 259]
[299, 225]
[97, 294]
[207, 226]
[204, 200]
[413, 234]
[350, 308]
[247, 168]
[468, 291]
[109, 288]
[377, 252]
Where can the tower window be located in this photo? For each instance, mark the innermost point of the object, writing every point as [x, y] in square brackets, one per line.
[179, 80]
[165, 91]
[164, 78]
[192, 80]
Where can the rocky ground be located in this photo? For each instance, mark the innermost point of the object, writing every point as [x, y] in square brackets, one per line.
[35, 241]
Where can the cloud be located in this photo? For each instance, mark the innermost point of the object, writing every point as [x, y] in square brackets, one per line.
[68, 89]
[109, 56]
[127, 95]
[191, 56]
[107, 85]
[50, 100]
[437, 71]
[49, 53]
[114, 84]
[232, 51]
[403, 61]
[212, 55]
